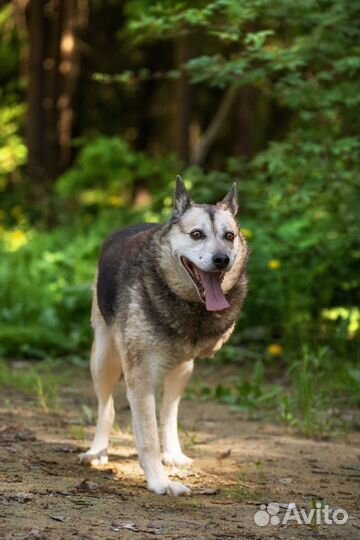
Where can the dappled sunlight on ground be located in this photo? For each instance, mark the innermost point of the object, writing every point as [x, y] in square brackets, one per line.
[238, 465]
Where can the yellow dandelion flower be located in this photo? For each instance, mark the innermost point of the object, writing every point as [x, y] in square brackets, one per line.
[274, 264]
[16, 239]
[247, 233]
[353, 328]
[275, 349]
[114, 200]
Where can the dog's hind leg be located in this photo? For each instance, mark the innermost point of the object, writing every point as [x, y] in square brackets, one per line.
[106, 372]
[174, 386]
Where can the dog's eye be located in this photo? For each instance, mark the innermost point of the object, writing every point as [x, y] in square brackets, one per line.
[197, 235]
[229, 236]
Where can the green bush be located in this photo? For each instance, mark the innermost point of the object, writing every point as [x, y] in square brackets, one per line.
[301, 228]
[107, 172]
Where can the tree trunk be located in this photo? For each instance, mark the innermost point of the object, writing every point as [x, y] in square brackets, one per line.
[248, 122]
[53, 75]
[184, 95]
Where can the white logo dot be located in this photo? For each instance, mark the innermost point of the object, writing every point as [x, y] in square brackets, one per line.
[261, 518]
[273, 508]
[274, 520]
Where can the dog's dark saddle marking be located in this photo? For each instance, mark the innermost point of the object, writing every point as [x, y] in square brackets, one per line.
[116, 253]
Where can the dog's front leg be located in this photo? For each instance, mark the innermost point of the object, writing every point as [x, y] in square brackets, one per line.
[141, 396]
[174, 386]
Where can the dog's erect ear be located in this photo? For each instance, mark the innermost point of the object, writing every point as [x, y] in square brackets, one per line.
[230, 202]
[182, 200]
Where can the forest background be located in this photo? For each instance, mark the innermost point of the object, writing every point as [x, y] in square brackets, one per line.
[104, 102]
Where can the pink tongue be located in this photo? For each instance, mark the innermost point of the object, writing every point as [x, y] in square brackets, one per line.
[214, 296]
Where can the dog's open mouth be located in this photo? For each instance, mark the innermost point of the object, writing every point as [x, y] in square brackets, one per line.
[208, 286]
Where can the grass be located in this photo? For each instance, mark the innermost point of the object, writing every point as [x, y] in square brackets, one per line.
[311, 391]
[88, 415]
[245, 488]
[77, 432]
[42, 381]
[190, 439]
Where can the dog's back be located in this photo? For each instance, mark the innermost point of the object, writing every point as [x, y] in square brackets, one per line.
[117, 255]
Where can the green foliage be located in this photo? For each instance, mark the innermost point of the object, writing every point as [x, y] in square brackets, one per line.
[294, 248]
[104, 165]
[298, 191]
[107, 171]
[318, 383]
[310, 234]
[45, 291]
[13, 151]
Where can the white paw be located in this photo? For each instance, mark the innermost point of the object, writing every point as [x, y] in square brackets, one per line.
[169, 488]
[88, 458]
[178, 459]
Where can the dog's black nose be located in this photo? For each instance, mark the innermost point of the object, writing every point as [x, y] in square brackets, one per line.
[221, 260]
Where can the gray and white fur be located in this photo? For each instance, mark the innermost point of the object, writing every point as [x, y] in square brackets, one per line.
[164, 295]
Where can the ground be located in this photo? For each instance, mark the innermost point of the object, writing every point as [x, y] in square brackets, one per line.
[240, 464]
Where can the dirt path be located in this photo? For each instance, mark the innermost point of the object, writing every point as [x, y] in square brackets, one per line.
[239, 465]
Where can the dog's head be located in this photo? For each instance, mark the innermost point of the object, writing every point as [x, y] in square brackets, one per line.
[207, 245]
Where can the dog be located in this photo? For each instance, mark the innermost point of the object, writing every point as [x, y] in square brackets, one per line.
[164, 295]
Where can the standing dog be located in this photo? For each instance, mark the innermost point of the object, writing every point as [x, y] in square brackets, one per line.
[164, 296]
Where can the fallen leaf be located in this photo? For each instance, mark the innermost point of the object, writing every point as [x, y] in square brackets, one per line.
[286, 480]
[223, 455]
[118, 526]
[86, 485]
[206, 491]
[59, 518]
[66, 449]
[83, 502]
[20, 497]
